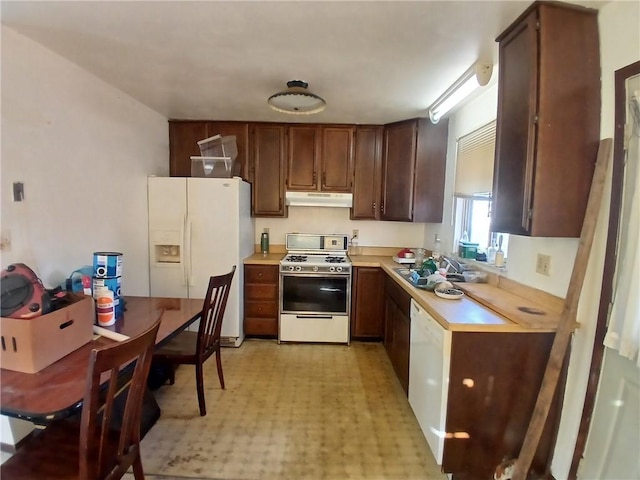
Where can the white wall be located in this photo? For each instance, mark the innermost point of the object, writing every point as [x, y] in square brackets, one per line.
[474, 114]
[620, 46]
[83, 151]
[336, 220]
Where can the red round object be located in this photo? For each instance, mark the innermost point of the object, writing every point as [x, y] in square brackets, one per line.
[23, 295]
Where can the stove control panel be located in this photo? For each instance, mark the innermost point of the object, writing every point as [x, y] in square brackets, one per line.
[327, 269]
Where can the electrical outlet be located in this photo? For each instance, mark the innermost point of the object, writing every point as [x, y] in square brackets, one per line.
[266, 230]
[18, 191]
[543, 264]
[355, 233]
[5, 241]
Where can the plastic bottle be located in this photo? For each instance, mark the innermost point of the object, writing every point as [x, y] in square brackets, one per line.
[419, 259]
[435, 251]
[499, 253]
[491, 251]
[105, 312]
[354, 248]
[428, 267]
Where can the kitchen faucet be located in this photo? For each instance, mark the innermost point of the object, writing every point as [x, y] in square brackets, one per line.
[451, 265]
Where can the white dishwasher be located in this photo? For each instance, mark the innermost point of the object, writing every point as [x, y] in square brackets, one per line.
[429, 357]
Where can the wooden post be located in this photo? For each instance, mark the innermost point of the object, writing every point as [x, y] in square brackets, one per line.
[565, 327]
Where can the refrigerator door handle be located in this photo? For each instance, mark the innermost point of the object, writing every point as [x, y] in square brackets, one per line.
[190, 278]
[185, 243]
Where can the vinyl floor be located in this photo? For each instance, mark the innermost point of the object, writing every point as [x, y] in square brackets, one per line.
[289, 411]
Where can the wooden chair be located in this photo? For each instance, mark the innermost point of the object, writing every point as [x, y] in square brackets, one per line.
[93, 449]
[194, 348]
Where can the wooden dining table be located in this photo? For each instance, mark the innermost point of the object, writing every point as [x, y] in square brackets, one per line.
[57, 391]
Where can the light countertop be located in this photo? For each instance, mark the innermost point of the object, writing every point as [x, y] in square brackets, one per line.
[464, 314]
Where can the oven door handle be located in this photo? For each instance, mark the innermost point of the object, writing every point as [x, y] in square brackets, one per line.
[327, 317]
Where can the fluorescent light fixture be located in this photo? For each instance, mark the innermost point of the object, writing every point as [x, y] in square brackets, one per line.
[297, 100]
[477, 76]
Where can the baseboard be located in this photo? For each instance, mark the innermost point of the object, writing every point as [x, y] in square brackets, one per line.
[231, 341]
[9, 448]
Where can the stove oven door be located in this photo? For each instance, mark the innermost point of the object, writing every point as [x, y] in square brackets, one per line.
[314, 307]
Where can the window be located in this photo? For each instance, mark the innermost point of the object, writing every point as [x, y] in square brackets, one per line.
[472, 189]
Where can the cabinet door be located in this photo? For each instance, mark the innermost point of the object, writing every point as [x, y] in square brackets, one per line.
[367, 303]
[366, 174]
[261, 300]
[516, 129]
[398, 171]
[402, 338]
[267, 173]
[303, 157]
[337, 159]
[183, 144]
[548, 125]
[506, 370]
[241, 131]
[398, 329]
[390, 309]
[431, 161]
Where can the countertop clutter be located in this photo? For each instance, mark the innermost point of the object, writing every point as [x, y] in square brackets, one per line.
[500, 305]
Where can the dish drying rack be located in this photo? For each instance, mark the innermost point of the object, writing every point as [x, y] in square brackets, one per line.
[217, 156]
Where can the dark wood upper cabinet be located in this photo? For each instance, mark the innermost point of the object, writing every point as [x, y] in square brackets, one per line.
[319, 157]
[303, 157]
[268, 155]
[367, 172]
[413, 169]
[398, 170]
[431, 160]
[336, 159]
[548, 123]
[183, 144]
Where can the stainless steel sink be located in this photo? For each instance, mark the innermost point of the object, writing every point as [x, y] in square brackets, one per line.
[406, 274]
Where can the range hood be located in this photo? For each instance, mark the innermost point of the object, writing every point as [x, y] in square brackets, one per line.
[319, 199]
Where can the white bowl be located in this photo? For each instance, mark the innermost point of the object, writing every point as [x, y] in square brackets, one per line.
[449, 293]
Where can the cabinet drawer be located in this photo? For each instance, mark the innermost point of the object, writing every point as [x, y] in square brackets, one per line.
[261, 274]
[261, 309]
[261, 326]
[261, 292]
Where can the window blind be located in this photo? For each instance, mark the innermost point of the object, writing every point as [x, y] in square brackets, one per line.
[474, 162]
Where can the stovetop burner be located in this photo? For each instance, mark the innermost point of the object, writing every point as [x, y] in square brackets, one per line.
[334, 259]
[312, 254]
[296, 258]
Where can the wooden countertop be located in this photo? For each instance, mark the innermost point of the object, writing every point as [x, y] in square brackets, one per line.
[261, 259]
[484, 308]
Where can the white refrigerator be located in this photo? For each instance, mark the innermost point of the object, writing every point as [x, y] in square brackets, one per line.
[199, 227]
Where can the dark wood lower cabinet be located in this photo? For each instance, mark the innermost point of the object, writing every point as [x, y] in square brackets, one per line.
[261, 301]
[494, 380]
[397, 333]
[367, 303]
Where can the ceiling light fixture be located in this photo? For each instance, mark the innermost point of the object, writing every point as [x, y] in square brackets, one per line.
[477, 76]
[297, 100]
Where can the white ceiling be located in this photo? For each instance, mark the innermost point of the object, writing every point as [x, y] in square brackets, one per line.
[373, 62]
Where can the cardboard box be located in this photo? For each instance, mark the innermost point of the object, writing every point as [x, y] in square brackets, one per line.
[30, 345]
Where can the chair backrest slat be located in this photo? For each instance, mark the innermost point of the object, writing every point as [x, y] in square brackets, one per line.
[105, 450]
[213, 310]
